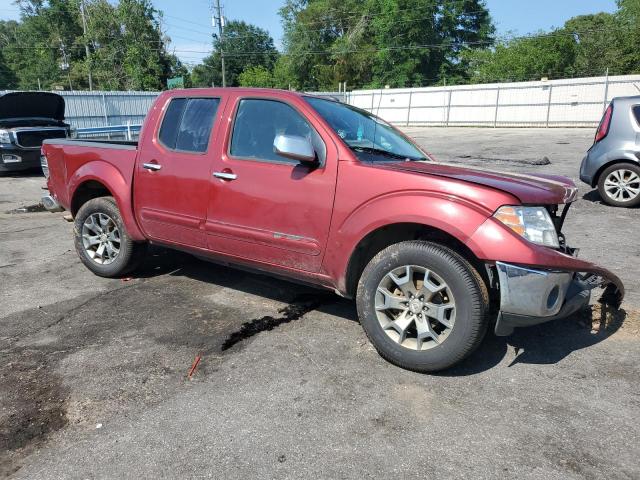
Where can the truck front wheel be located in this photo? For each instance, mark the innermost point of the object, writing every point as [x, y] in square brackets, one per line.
[102, 241]
[422, 306]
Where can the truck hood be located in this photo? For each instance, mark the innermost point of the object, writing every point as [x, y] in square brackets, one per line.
[529, 189]
[21, 105]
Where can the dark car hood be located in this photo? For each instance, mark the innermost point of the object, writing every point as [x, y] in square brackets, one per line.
[529, 189]
[31, 105]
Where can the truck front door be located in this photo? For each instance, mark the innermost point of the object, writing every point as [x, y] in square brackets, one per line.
[265, 207]
[174, 166]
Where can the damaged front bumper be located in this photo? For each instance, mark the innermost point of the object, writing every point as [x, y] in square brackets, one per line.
[529, 296]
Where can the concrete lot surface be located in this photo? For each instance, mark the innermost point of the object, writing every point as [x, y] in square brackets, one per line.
[93, 372]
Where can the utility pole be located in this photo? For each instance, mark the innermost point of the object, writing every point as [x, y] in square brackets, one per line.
[86, 45]
[219, 20]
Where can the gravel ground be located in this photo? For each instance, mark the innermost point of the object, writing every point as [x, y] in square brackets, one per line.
[93, 372]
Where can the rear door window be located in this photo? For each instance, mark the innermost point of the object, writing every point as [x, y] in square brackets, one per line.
[187, 124]
[636, 113]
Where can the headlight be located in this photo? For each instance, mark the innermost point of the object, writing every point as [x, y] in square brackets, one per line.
[533, 223]
[4, 136]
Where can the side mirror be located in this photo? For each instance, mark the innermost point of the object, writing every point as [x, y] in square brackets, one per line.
[294, 147]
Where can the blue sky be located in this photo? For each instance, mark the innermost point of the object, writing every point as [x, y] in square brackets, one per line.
[188, 22]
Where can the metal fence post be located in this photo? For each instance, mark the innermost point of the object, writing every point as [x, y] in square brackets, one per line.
[373, 97]
[449, 107]
[606, 91]
[409, 109]
[104, 109]
[129, 130]
[495, 115]
[549, 106]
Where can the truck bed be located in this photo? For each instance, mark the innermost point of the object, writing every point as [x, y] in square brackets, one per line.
[69, 160]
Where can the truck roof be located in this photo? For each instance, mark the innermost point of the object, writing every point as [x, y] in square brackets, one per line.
[272, 92]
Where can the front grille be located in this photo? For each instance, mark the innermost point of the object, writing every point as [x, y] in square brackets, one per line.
[34, 138]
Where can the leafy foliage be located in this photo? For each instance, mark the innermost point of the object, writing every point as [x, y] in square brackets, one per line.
[380, 42]
[524, 59]
[586, 45]
[245, 46]
[257, 76]
[126, 46]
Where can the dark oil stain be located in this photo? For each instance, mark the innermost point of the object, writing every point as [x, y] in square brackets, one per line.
[299, 307]
[38, 207]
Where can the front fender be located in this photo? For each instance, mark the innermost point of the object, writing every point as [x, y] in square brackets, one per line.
[116, 182]
[455, 216]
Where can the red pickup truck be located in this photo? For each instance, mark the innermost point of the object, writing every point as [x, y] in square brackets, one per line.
[328, 194]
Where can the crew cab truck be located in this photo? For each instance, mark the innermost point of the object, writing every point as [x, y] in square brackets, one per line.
[325, 193]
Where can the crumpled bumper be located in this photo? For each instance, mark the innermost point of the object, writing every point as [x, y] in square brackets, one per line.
[529, 296]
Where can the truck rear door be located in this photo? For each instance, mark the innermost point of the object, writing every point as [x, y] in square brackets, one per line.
[262, 206]
[174, 167]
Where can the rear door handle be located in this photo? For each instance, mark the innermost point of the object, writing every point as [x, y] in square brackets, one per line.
[225, 175]
[152, 166]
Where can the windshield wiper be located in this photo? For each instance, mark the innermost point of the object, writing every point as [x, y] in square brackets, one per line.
[386, 153]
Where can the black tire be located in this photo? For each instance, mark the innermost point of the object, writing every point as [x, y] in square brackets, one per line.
[631, 202]
[467, 287]
[130, 255]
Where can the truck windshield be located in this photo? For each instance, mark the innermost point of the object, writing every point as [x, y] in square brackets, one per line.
[371, 138]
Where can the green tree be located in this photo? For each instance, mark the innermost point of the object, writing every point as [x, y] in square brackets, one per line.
[244, 46]
[126, 46]
[628, 16]
[257, 76]
[43, 47]
[598, 38]
[8, 78]
[379, 42]
[550, 55]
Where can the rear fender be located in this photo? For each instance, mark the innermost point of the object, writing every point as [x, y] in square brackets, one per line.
[613, 157]
[119, 186]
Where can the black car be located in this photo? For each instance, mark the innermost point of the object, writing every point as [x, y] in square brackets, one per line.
[26, 119]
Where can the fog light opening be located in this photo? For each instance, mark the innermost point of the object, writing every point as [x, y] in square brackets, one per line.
[552, 299]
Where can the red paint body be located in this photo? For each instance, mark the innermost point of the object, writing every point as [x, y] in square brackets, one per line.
[295, 220]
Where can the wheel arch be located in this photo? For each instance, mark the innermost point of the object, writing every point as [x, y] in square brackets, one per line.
[631, 160]
[384, 236]
[101, 179]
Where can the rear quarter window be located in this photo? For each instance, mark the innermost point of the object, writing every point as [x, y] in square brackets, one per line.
[636, 113]
[187, 124]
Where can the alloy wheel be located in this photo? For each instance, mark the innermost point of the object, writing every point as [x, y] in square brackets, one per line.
[622, 185]
[101, 238]
[415, 307]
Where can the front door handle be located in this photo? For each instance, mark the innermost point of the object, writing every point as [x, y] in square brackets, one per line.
[225, 175]
[152, 166]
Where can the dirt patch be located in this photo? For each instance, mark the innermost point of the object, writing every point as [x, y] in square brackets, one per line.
[34, 404]
[35, 208]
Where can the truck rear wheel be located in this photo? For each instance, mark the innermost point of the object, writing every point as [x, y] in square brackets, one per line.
[102, 242]
[422, 306]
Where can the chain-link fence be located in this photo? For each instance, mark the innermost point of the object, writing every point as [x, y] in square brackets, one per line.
[551, 103]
